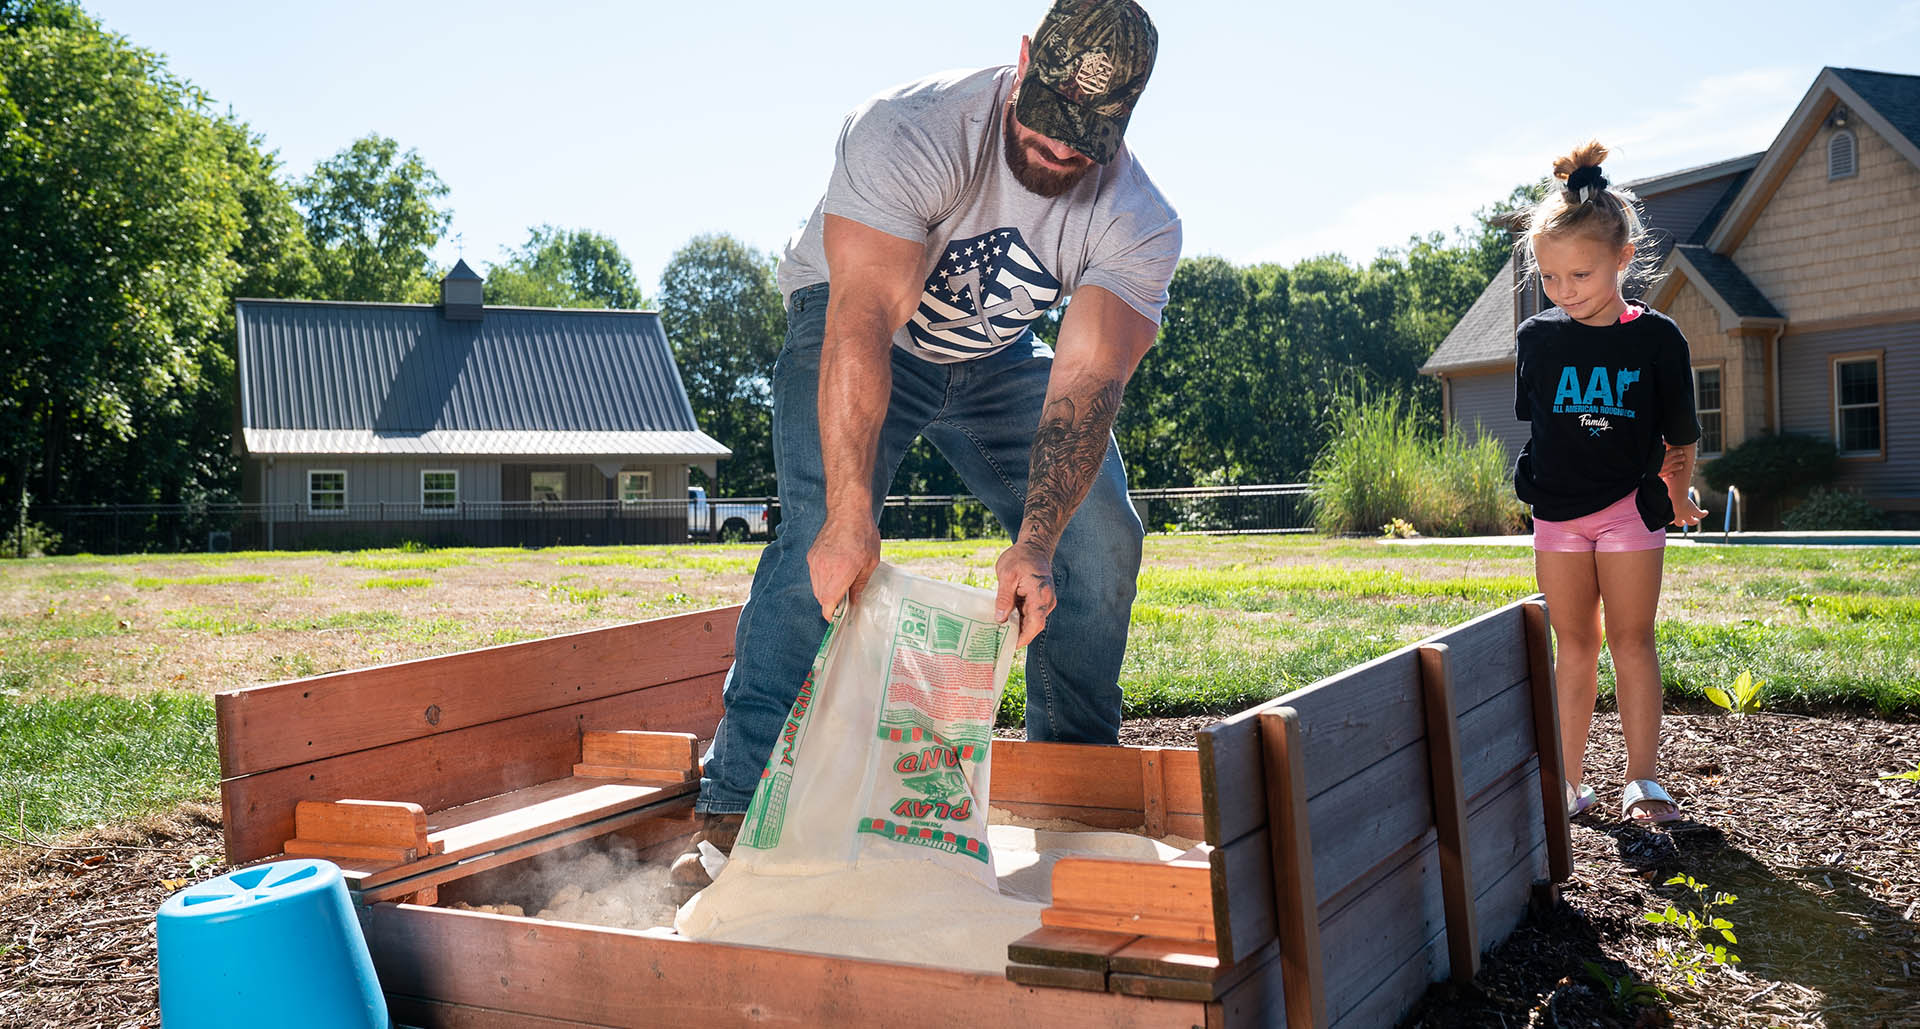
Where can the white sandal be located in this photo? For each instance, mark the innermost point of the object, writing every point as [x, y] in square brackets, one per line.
[1644, 791]
[1578, 801]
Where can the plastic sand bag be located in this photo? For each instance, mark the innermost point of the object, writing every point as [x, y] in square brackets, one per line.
[887, 752]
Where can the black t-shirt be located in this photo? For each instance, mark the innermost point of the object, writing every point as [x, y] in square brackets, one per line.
[1605, 401]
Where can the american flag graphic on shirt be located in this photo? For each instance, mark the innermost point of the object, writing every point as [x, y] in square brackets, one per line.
[982, 295]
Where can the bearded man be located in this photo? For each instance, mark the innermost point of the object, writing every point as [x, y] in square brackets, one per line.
[961, 208]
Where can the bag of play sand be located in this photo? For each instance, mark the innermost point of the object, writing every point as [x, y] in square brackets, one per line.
[886, 753]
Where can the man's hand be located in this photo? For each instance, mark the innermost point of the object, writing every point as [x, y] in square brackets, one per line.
[1026, 585]
[841, 561]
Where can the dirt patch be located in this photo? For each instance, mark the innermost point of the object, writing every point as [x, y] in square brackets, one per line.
[1787, 813]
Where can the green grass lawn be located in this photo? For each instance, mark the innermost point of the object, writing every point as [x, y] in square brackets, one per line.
[107, 665]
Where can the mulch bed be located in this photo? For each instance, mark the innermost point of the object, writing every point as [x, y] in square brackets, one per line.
[1787, 812]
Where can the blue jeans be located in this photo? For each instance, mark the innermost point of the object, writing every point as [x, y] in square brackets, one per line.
[981, 415]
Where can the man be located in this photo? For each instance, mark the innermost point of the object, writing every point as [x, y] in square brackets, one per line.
[961, 208]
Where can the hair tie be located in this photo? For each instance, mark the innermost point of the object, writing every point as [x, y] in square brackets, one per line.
[1585, 181]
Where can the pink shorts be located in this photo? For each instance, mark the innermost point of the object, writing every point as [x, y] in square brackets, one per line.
[1616, 527]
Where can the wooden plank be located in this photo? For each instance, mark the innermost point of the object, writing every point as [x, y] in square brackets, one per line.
[668, 807]
[1067, 948]
[360, 833]
[1449, 811]
[646, 827]
[1255, 998]
[1492, 646]
[1374, 815]
[1153, 787]
[1156, 957]
[1243, 904]
[421, 1013]
[638, 755]
[1185, 826]
[588, 974]
[1230, 780]
[1154, 986]
[1153, 898]
[453, 768]
[1546, 732]
[387, 824]
[1290, 856]
[1376, 931]
[283, 724]
[1094, 979]
[1070, 773]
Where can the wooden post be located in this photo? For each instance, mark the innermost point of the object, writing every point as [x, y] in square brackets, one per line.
[1153, 792]
[1303, 975]
[1546, 733]
[1449, 810]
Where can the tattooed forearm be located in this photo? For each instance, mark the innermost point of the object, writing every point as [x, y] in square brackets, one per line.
[1068, 449]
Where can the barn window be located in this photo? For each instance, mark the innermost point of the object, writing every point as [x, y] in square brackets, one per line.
[439, 490]
[636, 486]
[326, 491]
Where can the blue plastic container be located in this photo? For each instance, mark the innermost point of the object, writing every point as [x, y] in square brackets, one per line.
[272, 945]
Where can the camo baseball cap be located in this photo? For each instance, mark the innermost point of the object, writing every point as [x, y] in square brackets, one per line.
[1086, 67]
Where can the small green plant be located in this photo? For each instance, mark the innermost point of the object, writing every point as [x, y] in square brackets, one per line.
[1913, 776]
[1742, 700]
[29, 539]
[1398, 528]
[1624, 993]
[1689, 962]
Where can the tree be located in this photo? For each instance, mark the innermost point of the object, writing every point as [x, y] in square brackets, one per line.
[119, 228]
[723, 315]
[565, 268]
[373, 218]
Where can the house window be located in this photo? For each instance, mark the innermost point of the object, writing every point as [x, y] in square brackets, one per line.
[439, 490]
[326, 492]
[636, 486]
[549, 485]
[1841, 157]
[1858, 415]
[1706, 401]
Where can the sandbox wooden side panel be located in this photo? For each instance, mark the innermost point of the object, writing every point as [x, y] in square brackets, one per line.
[282, 724]
[450, 768]
[613, 977]
[1157, 788]
[1378, 878]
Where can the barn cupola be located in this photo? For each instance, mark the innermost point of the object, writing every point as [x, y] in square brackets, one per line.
[461, 294]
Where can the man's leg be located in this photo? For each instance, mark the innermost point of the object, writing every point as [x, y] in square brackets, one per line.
[780, 627]
[1073, 668]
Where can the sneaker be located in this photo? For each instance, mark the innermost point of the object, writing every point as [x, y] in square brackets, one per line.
[717, 829]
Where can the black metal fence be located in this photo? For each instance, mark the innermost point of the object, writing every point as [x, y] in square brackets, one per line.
[188, 528]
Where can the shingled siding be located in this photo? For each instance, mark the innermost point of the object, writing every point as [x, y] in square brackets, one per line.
[1482, 405]
[1832, 250]
[1806, 398]
[1743, 384]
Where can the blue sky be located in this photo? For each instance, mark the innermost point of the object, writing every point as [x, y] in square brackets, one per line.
[1278, 132]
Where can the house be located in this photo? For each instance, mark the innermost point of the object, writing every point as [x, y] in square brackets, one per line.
[1795, 274]
[456, 422]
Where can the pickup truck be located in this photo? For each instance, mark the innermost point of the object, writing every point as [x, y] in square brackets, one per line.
[732, 523]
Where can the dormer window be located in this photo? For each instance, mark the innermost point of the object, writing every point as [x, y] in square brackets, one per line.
[1842, 161]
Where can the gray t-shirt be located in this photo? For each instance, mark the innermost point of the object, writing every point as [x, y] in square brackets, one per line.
[925, 162]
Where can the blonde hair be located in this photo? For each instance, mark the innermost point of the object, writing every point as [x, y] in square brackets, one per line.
[1582, 202]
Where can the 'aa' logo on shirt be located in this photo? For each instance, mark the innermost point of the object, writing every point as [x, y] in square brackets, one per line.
[982, 295]
[1605, 392]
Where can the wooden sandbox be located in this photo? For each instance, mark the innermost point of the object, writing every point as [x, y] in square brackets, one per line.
[1364, 837]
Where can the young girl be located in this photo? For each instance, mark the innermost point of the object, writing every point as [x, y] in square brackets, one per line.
[1608, 388]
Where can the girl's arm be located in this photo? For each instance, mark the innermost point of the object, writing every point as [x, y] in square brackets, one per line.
[1677, 469]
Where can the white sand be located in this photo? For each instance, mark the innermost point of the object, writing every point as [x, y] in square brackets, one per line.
[907, 909]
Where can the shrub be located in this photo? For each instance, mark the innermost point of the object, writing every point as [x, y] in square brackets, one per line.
[1774, 467]
[1834, 509]
[1379, 467]
[29, 539]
